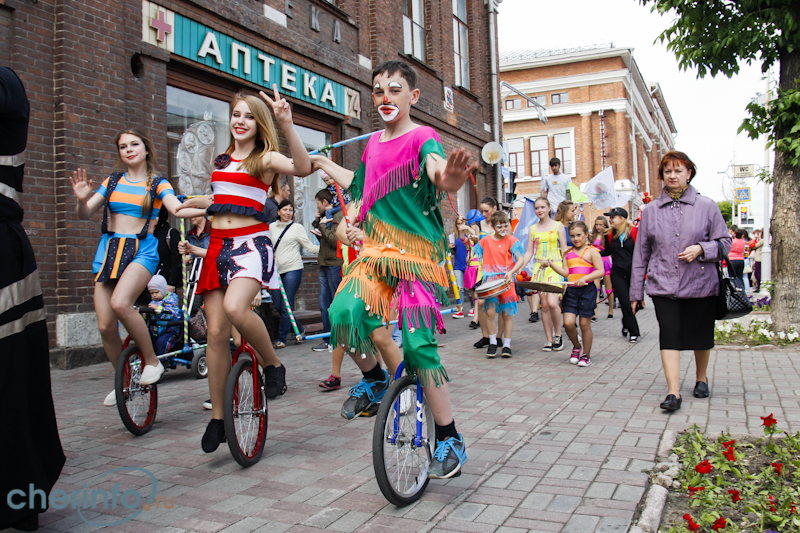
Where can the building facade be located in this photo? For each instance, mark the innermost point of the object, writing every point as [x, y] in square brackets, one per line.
[170, 67]
[600, 112]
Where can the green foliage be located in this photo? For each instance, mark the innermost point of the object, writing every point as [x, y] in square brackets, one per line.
[752, 485]
[713, 36]
[726, 209]
[758, 331]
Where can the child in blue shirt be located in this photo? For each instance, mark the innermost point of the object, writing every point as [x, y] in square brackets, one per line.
[336, 205]
[166, 305]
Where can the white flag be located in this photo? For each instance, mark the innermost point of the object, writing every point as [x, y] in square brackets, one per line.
[600, 189]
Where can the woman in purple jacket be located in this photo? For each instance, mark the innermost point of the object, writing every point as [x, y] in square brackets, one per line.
[677, 250]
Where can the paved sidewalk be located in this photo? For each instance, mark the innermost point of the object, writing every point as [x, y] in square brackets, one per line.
[552, 446]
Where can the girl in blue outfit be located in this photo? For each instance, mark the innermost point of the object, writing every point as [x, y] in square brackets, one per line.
[127, 255]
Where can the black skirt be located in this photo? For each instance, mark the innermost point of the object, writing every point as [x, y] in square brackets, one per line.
[686, 324]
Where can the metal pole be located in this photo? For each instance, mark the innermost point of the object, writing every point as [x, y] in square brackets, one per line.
[490, 4]
[766, 251]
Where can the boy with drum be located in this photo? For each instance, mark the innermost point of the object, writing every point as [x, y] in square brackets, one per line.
[403, 248]
[499, 251]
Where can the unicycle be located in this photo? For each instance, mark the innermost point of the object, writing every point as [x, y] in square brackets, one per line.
[245, 408]
[403, 441]
[136, 403]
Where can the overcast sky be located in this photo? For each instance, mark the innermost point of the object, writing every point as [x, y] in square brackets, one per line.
[707, 112]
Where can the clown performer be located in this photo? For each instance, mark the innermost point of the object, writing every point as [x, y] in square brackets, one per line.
[403, 253]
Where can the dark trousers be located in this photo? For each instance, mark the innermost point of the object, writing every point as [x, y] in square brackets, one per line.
[757, 274]
[738, 269]
[621, 282]
[291, 282]
[329, 279]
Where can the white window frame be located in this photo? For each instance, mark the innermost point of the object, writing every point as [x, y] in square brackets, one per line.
[544, 167]
[461, 49]
[411, 22]
[548, 133]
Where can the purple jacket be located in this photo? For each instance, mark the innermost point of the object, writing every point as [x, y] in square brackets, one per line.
[667, 228]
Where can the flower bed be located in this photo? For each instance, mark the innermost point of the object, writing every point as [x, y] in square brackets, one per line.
[758, 331]
[734, 485]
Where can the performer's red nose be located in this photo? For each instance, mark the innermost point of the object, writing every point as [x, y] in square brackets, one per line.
[385, 99]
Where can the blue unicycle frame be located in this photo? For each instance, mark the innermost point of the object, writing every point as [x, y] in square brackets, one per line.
[418, 437]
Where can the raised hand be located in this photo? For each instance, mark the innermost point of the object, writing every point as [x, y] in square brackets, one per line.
[280, 107]
[455, 172]
[81, 185]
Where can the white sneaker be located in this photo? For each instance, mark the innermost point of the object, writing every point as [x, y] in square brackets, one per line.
[111, 399]
[151, 374]
[207, 404]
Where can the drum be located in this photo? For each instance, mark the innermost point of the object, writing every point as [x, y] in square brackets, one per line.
[539, 284]
[488, 289]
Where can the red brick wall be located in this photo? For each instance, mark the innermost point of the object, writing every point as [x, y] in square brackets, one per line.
[74, 57]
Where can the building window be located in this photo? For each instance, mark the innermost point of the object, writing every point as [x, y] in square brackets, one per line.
[305, 189]
[414, 28]
[541, 100]
[461, 42]
[539, 156]
[516, 156]
[514, 103]
[560, 98]
[197, 131]
[563, 146]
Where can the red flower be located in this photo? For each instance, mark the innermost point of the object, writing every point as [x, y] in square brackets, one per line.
[734, 495]
[704, 467]
[793, 509]
[692, 490]
[768, 420]
[729, 454]
[772, 502]
[719, 524]
[729, 443]
[777, 467]
[691, 525]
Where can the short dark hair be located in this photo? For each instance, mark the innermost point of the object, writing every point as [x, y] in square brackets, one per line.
[555, 161]
[679, 157]
[284, 203]
[579, 224]
[498, 217]
[491, 202]
[324, 195]
[406, 71]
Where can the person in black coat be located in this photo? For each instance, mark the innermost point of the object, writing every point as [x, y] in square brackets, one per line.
[619, 243]
[30, 448]
[169, 259]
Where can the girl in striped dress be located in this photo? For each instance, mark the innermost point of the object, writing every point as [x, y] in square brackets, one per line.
[584, 266]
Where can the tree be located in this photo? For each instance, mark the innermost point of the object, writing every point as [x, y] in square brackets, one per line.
[725, 208]
[715, 36]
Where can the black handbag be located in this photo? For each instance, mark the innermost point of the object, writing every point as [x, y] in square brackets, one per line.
[732, 301]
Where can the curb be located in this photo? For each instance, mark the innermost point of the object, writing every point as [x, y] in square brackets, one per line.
[656, 497]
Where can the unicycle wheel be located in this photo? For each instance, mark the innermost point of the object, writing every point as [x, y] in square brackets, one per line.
[245, 413]
[136, 403]
[401, 466]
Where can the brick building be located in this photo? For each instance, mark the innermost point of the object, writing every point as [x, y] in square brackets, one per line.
[600, 112]
[170, 67]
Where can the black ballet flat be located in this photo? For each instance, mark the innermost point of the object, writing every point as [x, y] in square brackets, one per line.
[671, 403]
[701, 389]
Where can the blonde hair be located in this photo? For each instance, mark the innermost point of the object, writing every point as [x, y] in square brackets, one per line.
[563, 208]
[612, 233]
[266, 135]
[595, 235]
[543, 199]
[150, 160]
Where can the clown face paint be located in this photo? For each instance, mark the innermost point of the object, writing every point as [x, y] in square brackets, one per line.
[392, 96]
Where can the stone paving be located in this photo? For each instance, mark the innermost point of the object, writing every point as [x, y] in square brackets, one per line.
[552, 447]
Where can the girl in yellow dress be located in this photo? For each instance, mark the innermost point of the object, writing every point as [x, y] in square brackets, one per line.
[548, 242]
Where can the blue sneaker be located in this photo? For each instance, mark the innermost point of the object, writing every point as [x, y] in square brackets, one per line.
[449, 457]
[364, 395]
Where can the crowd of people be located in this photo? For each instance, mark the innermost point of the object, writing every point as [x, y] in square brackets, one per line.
[384, 254]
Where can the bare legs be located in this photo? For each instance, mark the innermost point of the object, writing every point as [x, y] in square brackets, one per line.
[586, 331]
[223, 309]
[113, 301]
[671, 359]
[551, 315]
